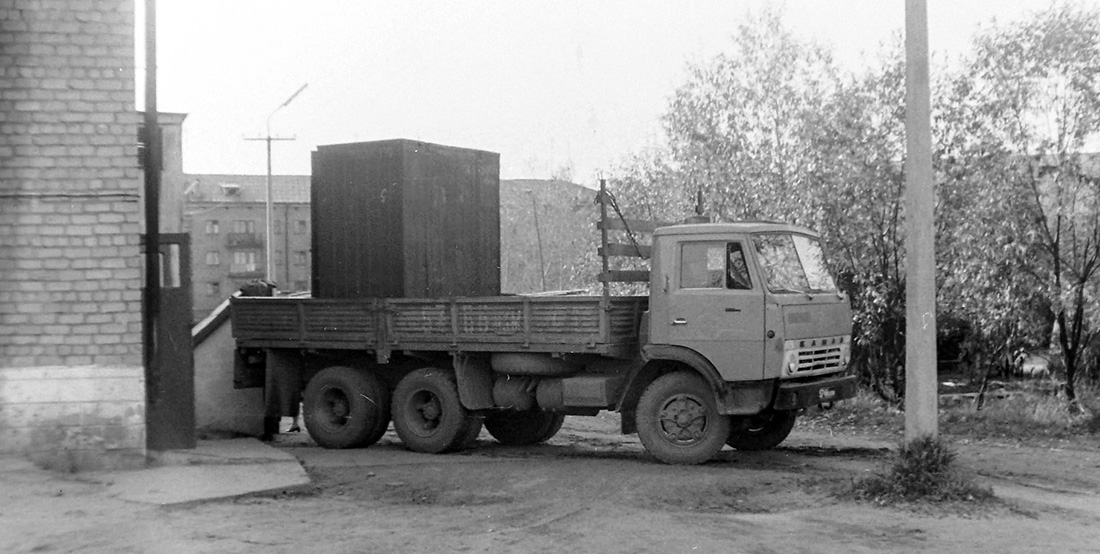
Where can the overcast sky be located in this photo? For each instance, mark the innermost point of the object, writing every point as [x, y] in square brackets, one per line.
[547, 84]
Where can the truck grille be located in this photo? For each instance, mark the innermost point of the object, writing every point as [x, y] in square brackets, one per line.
[818, 359]
[804, 357]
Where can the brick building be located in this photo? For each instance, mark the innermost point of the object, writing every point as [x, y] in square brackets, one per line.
[71, 378]
[226, 217]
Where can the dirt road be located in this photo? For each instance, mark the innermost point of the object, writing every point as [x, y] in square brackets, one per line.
[592, 490]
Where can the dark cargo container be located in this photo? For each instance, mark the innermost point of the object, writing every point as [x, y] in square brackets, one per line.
[402, 218]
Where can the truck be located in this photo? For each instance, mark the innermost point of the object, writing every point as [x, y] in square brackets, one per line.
[742, 328]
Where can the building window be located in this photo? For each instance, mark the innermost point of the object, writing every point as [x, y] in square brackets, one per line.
[213, 258]
[300, 257]
[244, 226]
[244, 257]
[214, 288]
[211, 226]
[301, 226]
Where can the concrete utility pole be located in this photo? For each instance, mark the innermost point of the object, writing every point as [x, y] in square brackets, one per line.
[921, 398]
[269, 234]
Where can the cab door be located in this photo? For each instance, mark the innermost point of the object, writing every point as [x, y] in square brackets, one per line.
[716, 306]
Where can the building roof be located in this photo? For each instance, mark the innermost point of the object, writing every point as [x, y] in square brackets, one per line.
[237, 189]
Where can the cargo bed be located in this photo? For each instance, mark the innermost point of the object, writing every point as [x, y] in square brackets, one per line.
[556, 324]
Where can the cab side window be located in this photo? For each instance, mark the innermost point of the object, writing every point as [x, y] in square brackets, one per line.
[713, 265]
[737, 273]
[702, 265]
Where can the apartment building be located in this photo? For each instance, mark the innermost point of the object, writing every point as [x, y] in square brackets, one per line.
[226, 217]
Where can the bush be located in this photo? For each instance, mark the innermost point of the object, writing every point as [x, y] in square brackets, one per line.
[922, 471]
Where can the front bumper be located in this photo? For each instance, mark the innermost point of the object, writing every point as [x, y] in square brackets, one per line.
[803, 394]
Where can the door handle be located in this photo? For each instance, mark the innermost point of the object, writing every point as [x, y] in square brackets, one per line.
[733, 309]
[679, 321]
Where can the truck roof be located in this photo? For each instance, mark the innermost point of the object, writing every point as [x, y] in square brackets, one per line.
[745, 227]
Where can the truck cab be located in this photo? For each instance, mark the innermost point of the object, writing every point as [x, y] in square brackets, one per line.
[755, 299]
[744, 321]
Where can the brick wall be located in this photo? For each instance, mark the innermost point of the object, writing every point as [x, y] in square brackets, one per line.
[70, 266]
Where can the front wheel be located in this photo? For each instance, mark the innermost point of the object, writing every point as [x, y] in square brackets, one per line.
[346, 408]
[428, 415]
[678, 420]
[764, 431]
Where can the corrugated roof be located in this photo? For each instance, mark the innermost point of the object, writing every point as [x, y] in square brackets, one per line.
[286, 189]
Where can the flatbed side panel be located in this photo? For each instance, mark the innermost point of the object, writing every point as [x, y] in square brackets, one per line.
[536, 324]
[418, 319]
[308, 321]
[265, 318]
[566, 319]
[344, 321]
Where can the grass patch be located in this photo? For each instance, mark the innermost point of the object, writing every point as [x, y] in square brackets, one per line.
[1027, 411]
[922, 471]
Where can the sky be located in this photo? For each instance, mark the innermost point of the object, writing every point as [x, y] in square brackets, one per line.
[566, 86]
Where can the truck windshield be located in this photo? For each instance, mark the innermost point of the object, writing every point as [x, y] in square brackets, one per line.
[793, 263]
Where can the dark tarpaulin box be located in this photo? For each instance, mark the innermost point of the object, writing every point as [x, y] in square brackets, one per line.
[403, 218]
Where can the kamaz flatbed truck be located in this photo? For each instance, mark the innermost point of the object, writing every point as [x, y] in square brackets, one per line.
[743, 327]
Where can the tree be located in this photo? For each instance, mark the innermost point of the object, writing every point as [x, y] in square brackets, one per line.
[1039, 83]
[738, 128]
[988, 286]
[771, 131]
[854, 198]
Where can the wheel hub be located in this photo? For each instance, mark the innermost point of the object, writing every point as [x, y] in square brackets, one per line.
[683, 419]
[336, 407]
[428, 409]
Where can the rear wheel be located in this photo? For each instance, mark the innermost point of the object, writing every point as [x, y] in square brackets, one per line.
[428, 415]
[678, 420]
[346, 408]
[523, 428]
[764, 431]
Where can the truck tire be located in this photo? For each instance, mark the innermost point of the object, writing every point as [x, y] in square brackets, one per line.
[428, 415]
[678, 420]
[524, 428]
[764, 431]
[346, 408]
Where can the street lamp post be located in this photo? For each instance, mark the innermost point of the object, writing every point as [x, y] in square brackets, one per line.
[269, 234]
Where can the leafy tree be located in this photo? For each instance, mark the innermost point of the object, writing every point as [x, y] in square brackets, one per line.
[738, 128]
[988, 282]
[1039, 83]
[855, 200]
[771, 131]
